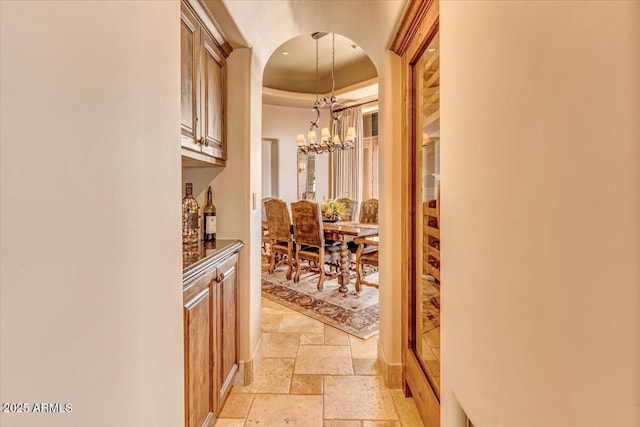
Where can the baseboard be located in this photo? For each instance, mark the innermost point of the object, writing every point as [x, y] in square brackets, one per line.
[248, 369]
[391, 372]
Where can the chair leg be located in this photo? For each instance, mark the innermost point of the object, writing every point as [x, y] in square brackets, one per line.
[272, 261]
[296, 278]
[321, 279]
[290, 262]
[321, 266]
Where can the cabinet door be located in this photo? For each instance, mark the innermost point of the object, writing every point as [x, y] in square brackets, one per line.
[189, 75]
[227, 324]
[213, 97]
[198, 348]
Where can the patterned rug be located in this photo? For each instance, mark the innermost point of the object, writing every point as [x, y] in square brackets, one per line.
[356, 314]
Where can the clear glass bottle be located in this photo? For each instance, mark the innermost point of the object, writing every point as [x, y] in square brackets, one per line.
[190, 210]
[209, 219]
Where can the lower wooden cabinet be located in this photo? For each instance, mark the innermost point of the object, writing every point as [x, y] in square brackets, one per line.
[210, 340]
[227, 330]
[198, 351]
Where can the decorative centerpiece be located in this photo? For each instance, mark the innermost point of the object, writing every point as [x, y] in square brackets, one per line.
[333, 211]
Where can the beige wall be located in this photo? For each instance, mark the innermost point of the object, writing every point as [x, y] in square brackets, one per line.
[284, 124]
[541, 213]
[236, 186]
[90, 239]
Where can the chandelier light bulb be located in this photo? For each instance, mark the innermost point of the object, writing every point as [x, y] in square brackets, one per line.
[300, 140]
[325, 135]
[312, 136]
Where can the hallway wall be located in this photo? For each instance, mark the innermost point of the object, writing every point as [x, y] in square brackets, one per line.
[541, 212]
[91, 267]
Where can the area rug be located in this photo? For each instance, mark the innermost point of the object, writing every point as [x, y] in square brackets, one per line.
[356, 314]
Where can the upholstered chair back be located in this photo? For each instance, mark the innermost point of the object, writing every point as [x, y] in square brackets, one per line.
[307, 223]
[369, 211]
[278, 220]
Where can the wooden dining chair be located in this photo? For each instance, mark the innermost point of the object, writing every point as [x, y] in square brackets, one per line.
[279, 226]
[369, 258]
[368, 215]
[369, 211]
[308, 234]
[265, 240]
[352, 205]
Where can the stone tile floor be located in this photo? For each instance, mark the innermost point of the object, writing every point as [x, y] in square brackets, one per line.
[313, 375]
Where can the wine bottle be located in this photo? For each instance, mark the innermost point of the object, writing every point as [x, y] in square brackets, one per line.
[190, 210]
[209, 219]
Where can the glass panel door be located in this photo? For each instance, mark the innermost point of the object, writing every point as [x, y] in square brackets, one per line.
[426, 166]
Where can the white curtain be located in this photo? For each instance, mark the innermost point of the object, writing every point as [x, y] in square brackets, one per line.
[345, 166]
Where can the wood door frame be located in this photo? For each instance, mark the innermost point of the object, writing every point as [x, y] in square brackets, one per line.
[418, 27]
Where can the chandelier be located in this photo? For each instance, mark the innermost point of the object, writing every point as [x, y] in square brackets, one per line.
[329, 141]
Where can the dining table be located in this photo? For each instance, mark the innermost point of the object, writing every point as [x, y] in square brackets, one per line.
[345, 232]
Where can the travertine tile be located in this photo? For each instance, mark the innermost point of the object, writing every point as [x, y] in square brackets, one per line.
[311, 339]
[342, 423]
[279, 345]
[274, 376]
[270, 322]
[323, 359]
[364, 349]
[306, 384]
[300, 323]
[222, 422]
[333, 336]
[237, 405]
[406, 408]
[285, 411]
[385, 424]
[357, 397]
[241, 389]
[365, 366]
[270, 307]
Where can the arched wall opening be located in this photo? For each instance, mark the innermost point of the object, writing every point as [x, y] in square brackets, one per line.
[239, 185]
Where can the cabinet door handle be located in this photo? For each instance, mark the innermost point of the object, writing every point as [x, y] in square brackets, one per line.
[221, 277]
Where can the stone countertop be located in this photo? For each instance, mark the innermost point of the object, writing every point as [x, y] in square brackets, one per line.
[198, 257]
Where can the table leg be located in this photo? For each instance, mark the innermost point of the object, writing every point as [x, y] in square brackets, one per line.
[344, 277]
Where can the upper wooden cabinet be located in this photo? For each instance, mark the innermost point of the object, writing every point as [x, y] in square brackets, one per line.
[203, 87]
[189, 66]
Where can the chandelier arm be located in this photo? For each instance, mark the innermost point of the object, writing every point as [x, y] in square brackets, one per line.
[314, 123]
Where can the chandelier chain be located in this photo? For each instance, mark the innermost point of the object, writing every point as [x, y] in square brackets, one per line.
[333, 65]
[317, 78]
